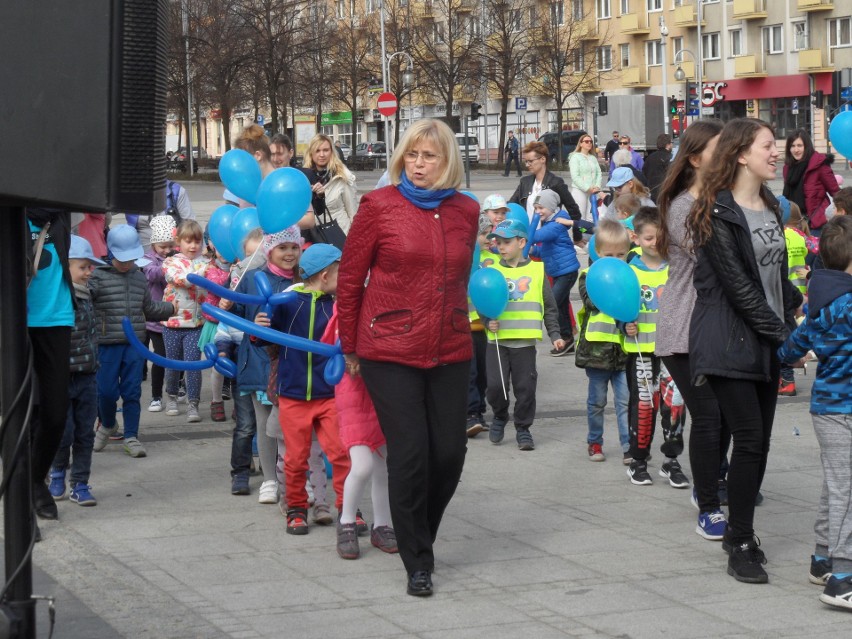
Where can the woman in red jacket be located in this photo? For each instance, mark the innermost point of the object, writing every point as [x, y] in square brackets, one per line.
[808, 178]
[407, 331]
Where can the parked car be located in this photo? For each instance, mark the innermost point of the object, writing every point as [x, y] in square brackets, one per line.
[469, 147]
[195, 152]
[369, 155]
[176, 162]
[347, 151]
[569, 143]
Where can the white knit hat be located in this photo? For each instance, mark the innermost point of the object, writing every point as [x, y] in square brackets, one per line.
[163, 229]
[291, 234]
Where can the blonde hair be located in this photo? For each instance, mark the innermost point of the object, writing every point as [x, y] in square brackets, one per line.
[627, 202]
[444, 139]
[335, 166]
[611, 233]
[255, 235]
[253, 139]
[189, 230]
[797, 220]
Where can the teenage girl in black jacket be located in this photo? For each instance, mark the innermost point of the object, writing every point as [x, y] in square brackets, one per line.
[744, 311]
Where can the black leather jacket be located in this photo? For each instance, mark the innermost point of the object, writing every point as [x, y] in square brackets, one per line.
[734, 332]
[549, 181]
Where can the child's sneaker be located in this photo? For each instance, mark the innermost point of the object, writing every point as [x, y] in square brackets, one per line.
[347, 541]
[322, 515]
[787, 389]
[746, 563]
[297, 521]
[384, 538]
[134, 448]
[102, 435]
[674, 473]
[82, 494]
[638, 473]
[192, 415]
[268, 493]
[838, 592]
[240, 485]
[495, 431]
[596, 453]
[156, 405]
[475, 425]
[57, 485]
[217, 411]
[712, 525]
[172, 406]
[820, 570]
[525, 440]
[361, 525]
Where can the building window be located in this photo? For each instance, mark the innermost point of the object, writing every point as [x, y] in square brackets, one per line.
[655, 5]
[371, 5]
[779, 113]
[603, 9]
[557, 13]
[474, 29]
[437, 32]
[515, 20]
[577, 10]
[677, 47]
[624, 51]
[578, 60]
[800, 35]
[341, 8]
[533, 18]
[654, 53]
[604, 58]
[773, 39]
[840, 32]
[736, 42]
[404, 37]
[625, 6]
[710, 46]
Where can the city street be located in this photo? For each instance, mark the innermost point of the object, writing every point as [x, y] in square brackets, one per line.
[540, 544]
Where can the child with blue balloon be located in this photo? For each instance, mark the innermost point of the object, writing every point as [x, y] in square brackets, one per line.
[513, 334]
[599, 349]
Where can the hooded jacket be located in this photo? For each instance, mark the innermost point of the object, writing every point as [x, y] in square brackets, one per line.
[819, 183]
[734, 332]
[553, 244]
[827, 331]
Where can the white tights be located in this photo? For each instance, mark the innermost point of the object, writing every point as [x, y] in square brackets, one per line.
[367, 464]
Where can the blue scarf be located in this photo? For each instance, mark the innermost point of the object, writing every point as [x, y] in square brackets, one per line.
[422, 198]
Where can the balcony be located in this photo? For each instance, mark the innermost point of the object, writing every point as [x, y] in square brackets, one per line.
[635, 77]
[466, 6]
[588, 32]
[634, 24]
[748, 66]
[813, 61]
[815, 5]
[687, 16]
[750, 10]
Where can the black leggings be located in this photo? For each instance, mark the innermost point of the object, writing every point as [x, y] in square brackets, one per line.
[157, 372]
[749, 410]
[709, 435]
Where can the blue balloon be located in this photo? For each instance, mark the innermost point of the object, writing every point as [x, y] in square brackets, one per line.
[244, 222]
[590, 247]
[241, 174]
[264, 289]
[518, 212]
[536, 218]
[489, 292]
[614, 288]
[283, 198]
[219, 228]
[470, 195]
[222, 364]
[840, 133]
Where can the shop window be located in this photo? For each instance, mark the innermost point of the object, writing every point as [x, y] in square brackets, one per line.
[778, 112]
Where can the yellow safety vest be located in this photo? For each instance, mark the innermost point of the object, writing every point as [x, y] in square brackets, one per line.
[525, 311]
[797, 251]
[651, 285]
[484, 258]
[600, 327]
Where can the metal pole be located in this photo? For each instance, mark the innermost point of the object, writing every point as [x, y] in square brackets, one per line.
[664, 33]
[385, 83]
[466, 155]
[699, 66]
[185, 20]
[17, 512]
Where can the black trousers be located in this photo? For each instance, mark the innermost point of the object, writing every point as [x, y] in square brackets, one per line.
[518, 372]
[51, 354]
[749, 410]
[478, 375]
[158, 373]
[422, 412]
[709, 435]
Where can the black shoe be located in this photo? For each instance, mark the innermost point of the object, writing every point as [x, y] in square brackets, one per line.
[43, 503]
[746, 563]
[638, 473]
[420, 583]
[565, 350]
[674, 473]
[728, 546]
[838, 592]
[495, 431]
[524, 439]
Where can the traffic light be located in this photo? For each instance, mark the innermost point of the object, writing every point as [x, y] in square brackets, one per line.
[602, 105]
[673, 105]
[474, 111]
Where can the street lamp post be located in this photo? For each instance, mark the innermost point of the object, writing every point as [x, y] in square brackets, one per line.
[384, 81]
[680, 76]
[407, 77]
[664, 34]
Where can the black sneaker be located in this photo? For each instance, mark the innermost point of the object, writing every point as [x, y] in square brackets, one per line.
[475, 425]
[638, 473]
[525, 440]
[746, 563]
[838, 592]
[674, 472]
[565, 350]
[495, 431]
[820, 570]
[728, 546]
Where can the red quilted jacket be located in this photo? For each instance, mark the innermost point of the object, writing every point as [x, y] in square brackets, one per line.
[414, 309]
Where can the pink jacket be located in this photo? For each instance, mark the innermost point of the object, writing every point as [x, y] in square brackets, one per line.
[178, 289]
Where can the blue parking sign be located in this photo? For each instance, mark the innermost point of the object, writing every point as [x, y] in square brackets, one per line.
[260, 119]
[520, 104]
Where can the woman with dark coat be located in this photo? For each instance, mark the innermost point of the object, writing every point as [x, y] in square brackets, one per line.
[408, 333]
[743, 312]
[808, 178]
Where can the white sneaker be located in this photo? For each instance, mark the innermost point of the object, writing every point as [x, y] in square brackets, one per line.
[268, 493]
[155, 406]
[102, 437]
[192, 415]
[171, 406]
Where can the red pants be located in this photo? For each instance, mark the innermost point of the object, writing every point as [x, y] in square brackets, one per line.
[298, 419]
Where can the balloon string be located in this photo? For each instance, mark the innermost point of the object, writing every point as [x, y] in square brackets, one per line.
[642, 363]
[500, 366]
[242, 275]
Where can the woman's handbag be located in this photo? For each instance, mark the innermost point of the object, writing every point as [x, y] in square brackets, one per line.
[328, 231]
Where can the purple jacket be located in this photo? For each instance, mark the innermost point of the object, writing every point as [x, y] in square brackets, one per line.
[156, 283]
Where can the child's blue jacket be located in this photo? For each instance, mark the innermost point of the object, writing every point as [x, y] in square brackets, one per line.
[557, 249]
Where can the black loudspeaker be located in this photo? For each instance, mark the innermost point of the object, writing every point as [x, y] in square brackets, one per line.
[83, 104]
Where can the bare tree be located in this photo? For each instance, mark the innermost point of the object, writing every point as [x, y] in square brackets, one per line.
[398, 39]
[315, 70]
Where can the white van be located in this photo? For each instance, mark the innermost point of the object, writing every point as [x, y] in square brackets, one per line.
[469, 147]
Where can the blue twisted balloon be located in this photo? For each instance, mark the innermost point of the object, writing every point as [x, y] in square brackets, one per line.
[221, 364]
[536, 218]
[265, 297]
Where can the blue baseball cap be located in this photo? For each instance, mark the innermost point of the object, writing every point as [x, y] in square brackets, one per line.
[318, 257]
[509, 228]
[80, 249]
[123, 243]
[622, 175]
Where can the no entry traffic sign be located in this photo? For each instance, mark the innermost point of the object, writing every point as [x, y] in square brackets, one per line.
[387, 104]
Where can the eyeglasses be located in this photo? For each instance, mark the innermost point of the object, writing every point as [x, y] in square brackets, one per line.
[585, 141]
[624, 143]
[528, 162]
[428, 157]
